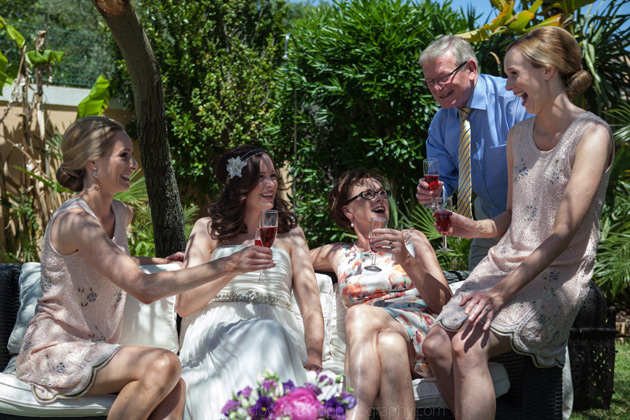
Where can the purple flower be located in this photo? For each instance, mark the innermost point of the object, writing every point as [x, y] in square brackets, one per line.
[245, 392]
[267, 384]
[288, 386]
[299, 404]
[262, 408]
[348, 400]
[229, 406]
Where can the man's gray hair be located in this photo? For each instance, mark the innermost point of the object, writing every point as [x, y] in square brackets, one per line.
[461, 49]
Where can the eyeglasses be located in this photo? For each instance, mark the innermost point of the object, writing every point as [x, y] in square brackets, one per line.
[444, 79]
[370, 195]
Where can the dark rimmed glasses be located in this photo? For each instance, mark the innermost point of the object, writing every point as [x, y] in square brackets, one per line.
[444, 79]
[370, 195]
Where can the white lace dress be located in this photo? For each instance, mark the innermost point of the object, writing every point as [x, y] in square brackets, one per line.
[247, 328]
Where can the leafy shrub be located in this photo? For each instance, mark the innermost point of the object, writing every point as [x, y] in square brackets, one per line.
[350, 94]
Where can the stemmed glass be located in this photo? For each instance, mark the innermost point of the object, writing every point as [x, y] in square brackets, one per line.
[431, 168]
[443, 208]
[266, 232]
[376, 222]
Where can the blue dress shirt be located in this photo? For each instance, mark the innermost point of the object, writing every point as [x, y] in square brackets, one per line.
[494, 111]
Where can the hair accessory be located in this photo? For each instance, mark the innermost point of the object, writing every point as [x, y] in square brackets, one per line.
[236, 164]
[95, 174]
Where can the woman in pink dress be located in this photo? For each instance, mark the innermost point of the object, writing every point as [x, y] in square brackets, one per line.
[525, 294]
[389, 311]
[71, 346]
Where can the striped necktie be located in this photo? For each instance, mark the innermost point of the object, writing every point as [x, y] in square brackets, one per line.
[464, 186]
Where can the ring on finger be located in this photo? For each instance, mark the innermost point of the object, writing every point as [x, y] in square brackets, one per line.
[486, 308]
[391, 243]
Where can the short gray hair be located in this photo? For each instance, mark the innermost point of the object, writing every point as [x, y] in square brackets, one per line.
[461, 49]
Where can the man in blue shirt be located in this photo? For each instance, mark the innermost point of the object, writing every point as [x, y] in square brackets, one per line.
[452, 76]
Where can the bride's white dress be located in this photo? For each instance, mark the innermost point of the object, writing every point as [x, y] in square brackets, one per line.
[247, 328]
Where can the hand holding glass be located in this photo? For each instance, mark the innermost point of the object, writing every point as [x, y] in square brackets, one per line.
[376, 222]
[266, 232]
[442, 210]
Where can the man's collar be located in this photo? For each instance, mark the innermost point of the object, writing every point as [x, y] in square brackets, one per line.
[478, 99]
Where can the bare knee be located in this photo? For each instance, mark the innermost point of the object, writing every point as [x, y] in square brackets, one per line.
[358, 322]
[392, 349]
[163, 369]
[437, 345]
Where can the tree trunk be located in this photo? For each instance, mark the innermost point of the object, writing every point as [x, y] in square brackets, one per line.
[166, 207]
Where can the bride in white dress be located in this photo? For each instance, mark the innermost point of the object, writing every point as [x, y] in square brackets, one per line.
[232, 334]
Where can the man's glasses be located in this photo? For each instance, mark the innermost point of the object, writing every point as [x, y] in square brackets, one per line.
[370, 195]
[440, 81]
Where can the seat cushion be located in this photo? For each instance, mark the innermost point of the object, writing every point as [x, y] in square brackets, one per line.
[16, 398]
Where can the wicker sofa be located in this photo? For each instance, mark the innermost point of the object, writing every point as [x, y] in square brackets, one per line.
[533, 393]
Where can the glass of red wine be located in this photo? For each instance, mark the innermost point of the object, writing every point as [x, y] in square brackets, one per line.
[267, 229]
[442, 210]
[431, 168]
[376, 222]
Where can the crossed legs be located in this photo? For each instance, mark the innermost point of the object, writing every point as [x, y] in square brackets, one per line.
[379, 357]
[459, 361]
[147, 381]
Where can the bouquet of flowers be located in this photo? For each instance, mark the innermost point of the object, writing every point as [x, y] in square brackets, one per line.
[322, 399]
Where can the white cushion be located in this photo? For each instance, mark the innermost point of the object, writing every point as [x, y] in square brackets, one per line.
[16, 398]
[327, 298]
[152, 325]
[30, 291]
[427, 395]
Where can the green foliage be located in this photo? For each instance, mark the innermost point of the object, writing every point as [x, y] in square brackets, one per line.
[24, 232]
[351, 94]
[141, 241]
[612, 265]
[97, 100]
[217, 61]
[604, 35]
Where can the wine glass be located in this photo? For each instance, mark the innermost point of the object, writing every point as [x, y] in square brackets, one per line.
[266, 232]
[431, 168]
[376, 222]
[443, 208]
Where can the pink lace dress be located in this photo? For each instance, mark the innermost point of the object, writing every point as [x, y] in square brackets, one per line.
[390, 289]
[76, 327]
[538, 317]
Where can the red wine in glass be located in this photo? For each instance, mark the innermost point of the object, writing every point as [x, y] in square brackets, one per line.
[267, 236]
[443, 218]
[432, 180]
[443, 210]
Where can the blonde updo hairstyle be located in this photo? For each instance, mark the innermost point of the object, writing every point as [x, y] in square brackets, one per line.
[552, 46]
[85, 139]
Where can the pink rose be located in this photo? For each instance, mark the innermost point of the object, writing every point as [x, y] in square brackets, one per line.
[299, 404]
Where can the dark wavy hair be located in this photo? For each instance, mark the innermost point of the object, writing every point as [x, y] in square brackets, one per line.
[228, 211]
[340, 192]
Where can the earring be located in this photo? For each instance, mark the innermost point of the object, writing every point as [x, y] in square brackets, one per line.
[351, 224]
[95, 174]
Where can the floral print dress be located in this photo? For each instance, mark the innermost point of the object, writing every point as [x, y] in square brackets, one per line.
[77, 324]
[390, 289]
[538, 318]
